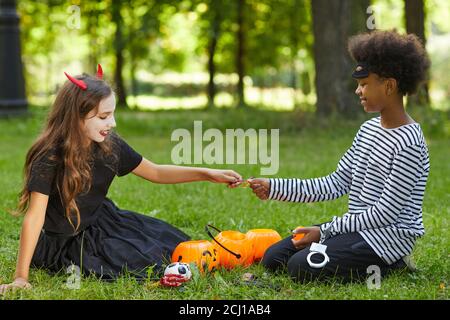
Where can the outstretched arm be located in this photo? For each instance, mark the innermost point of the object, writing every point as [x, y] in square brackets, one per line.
[178, 174]
[31, 228]
[330, 187]
[325, 188]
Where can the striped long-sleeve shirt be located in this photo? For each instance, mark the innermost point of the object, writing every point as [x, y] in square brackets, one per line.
[385, 173]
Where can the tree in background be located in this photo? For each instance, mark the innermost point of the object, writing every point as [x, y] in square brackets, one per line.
[242, 12]
[275, 43]
[211, 16]
[415, 23]
[143, 22]
[298, 29]
[279, 44]
[119, 47]
[92, 11]
[333, 23]
[39, 39]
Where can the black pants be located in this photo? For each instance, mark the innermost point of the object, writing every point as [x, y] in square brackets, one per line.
[350, 256]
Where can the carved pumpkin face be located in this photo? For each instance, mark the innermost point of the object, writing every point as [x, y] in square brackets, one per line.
[200, 252]
[238, 243]
[262, 239]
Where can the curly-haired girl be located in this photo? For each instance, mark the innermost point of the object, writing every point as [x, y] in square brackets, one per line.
[384, 172]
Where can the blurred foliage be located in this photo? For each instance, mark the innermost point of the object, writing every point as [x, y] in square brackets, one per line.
[162, 36]
[434, 123]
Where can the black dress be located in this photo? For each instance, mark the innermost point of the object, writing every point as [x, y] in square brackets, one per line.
[109, 240]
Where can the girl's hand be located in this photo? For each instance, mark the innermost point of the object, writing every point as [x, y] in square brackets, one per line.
[18, 283]
[260, 187]
[312, 234]
[224, 176]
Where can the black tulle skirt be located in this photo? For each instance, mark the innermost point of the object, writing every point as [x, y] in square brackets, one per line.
[118, 242]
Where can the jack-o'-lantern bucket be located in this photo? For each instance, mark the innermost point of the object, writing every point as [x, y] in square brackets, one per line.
[262, 239]
[200, 252]
[234, 248]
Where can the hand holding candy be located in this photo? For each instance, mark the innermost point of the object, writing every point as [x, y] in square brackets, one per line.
[311, 234]
[260, 187]
[239, 183]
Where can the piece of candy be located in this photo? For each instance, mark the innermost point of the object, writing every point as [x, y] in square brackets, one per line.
[244, 184]
[297, 236]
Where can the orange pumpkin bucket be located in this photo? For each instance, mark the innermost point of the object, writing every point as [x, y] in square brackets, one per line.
[262, 239]
[200, 252]
[233, 247]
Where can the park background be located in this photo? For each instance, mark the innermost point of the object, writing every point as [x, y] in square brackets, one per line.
[232, 64]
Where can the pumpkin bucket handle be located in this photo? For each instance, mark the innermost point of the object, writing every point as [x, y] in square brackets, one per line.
[237, 255]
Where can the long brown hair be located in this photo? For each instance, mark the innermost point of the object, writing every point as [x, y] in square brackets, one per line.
[64, 132]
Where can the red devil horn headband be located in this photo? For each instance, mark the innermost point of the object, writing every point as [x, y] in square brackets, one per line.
[80, 83]
[99, 71]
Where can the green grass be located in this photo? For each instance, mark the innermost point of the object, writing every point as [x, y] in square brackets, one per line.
[308, 148]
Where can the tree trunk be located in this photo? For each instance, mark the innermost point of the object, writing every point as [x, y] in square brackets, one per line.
[333, 23]
[240, 57]
[212, 72]
[215, 30]
[133, 81]
[294, 38]
[359, 16]
[91, 28]
[415, 23]
[415, 18]
[118, 48]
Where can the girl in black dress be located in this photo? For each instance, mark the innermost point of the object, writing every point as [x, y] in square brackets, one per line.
[68, 219]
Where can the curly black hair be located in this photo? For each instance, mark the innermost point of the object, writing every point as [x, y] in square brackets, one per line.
[392, 55]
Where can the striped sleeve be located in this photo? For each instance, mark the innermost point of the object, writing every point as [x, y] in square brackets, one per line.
[405, 174]
[325, 188]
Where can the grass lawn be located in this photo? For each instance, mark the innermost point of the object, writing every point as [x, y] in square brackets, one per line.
[308, 148]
